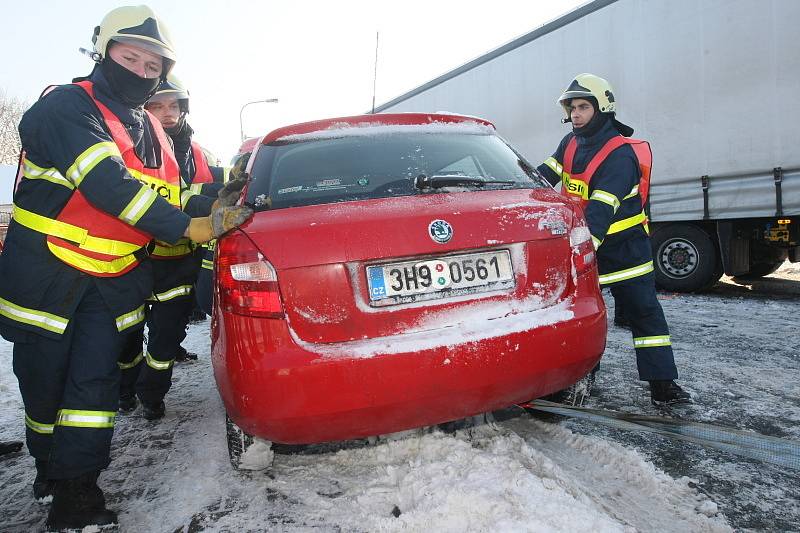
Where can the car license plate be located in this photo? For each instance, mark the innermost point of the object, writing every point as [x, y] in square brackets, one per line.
[437, 277]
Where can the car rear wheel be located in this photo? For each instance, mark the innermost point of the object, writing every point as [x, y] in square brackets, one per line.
[577, 393]
[239, 443]
[685, 258]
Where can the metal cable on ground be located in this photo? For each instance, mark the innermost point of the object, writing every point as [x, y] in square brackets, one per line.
[747, 444]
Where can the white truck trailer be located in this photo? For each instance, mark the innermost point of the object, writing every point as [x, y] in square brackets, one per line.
[714, 85]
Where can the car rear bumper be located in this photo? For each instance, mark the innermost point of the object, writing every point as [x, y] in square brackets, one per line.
[282, 390]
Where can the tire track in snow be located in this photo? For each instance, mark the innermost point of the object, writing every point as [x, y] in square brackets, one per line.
[621, 481]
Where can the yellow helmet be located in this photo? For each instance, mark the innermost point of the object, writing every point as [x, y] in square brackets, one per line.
[138, 26]
[589, 85]
[172, 87]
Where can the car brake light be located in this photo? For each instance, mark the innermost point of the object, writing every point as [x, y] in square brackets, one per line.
[247, 283]
[583, 256]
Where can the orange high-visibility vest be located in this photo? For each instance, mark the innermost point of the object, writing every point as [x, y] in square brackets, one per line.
[202, 172]
[113, 247]
[578, 184]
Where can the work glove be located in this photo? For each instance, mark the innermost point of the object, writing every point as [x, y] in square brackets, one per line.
[199, 230]
[229, 194]
[221, 221]
[225, 218]
[238, 171]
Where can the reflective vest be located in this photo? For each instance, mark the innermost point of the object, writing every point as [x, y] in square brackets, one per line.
[578, 184]
[203, 175]
[202, 172]
[86, 237]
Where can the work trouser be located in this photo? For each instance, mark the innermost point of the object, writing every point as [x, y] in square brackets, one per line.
[70, 389]
[149, 371]
[654, 357]
[203, 288]
[131, 359]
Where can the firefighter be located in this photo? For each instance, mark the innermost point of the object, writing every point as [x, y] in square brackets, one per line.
[97, 183]
[598, 165]
[171, 105]
[148, 373]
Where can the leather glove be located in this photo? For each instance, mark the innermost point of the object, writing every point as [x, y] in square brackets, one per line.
[200, 230]
[225, 218]
[238, 171]
[229, 194]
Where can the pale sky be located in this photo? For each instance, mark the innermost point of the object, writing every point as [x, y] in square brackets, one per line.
[317, 57]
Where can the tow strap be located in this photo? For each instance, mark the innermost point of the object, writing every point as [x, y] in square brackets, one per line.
[748, 444]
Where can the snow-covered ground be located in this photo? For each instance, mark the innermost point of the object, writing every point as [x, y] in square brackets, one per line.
[736, 349]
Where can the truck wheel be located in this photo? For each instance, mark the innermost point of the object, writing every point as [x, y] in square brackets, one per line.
[239, 442]
[685, 258]
[759, 270]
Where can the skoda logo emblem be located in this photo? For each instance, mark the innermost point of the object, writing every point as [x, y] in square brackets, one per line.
[440, 231]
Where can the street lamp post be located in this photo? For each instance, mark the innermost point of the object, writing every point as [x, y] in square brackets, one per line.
[241, 127]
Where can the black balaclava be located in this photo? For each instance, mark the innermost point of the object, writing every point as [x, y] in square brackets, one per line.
[128, 87]
[181, 134]
[598, 121]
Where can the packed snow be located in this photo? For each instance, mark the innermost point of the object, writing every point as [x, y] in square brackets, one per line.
[512, 473]
[370, 129]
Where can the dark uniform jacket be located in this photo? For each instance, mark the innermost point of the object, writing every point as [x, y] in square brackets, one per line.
[617, 176]
[54, 132]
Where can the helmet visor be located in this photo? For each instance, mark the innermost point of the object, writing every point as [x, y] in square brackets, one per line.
[151, 45]
[569, 95]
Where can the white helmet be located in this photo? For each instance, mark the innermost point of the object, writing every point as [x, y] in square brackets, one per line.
[138, 26]
[589, 86]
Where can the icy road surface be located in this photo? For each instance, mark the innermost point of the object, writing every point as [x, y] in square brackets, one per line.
[736, 349]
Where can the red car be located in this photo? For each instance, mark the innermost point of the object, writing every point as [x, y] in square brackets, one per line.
[401, 270]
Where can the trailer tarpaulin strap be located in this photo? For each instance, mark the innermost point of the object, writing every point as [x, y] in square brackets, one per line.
[749, 444]
[777, 175]
[704, 183]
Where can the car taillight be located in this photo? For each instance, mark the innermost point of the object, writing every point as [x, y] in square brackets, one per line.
[247, 284]
[583, 256]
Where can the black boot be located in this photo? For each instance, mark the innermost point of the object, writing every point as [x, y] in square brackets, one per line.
[667, 392]
[153, 411]
[183, 355]
[42, 487]
[77, 503]
[127, 403]
[197, 316]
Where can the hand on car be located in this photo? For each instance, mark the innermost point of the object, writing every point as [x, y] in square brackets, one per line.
[225, 218]
[222, 220]
[239, 168]
[229, 194]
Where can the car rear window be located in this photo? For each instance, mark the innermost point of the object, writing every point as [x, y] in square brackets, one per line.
[351, 164]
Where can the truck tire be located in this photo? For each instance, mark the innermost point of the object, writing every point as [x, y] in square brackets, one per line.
[764, 260]
[761, 269]
[685, 258]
